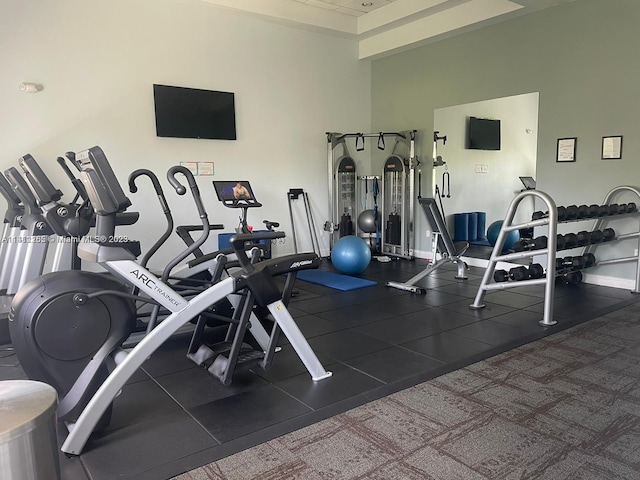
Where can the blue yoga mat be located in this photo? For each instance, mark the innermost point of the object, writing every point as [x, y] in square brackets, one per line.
[334, 280]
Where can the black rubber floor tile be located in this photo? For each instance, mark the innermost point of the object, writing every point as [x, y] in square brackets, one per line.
[139, 402]
[314, 325]
[461, 289]
[441, 320]
[436, 298]
[343, 384]
[398, 330]
[493, 333]
[238, 415]
[618, 293]
[320, 304]
[371, 311]
[287, 363]
[126, 452]
[488, 311]
[521, 318]
[346, 344]
[170, 357]
[393, 364]
[447, 347]
[196, 386]
[511, 298]
[576, 308]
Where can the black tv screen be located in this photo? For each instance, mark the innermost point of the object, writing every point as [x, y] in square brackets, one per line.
[194, 113]
[483, 134]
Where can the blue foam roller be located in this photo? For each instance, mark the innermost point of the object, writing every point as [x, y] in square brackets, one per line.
[461, 227]
[473, 226]
[482, 225]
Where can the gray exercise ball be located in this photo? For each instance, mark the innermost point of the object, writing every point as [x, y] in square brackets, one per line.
[367, 221]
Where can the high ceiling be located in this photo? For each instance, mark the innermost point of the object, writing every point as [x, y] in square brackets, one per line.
[383, 27]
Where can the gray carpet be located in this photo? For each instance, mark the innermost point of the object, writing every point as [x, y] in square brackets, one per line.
[564, 407]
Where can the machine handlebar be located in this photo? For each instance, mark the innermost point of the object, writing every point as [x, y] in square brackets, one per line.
[238, 242]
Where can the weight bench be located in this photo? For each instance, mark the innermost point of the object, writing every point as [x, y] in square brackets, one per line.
[441, 242]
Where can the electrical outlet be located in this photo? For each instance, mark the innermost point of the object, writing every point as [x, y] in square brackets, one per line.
[478, 168]
[485, 168]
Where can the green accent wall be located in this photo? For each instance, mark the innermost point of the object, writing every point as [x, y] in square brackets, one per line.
[582, 57]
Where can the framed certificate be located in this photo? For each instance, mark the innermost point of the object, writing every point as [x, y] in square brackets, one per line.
[612, 148]
[192, 166]
[205, 169]
[566, 150]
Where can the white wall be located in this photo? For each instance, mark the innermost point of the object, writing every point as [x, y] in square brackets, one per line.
[98, 59]
[493, 190]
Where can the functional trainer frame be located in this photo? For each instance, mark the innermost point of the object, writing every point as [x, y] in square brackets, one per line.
[339, 173]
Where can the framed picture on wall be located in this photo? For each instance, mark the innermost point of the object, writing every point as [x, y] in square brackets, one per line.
[612, 148]
[566, 150]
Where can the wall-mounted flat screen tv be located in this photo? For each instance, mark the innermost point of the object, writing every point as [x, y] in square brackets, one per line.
[483, 134]
[194, 113]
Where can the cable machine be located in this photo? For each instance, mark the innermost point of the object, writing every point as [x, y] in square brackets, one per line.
[398, 193]
[344, 191]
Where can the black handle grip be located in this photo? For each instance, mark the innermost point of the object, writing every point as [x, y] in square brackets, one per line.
[163, 204]
[7, 192]
[76, 182]
[40, 183]
[238, 242]
[181, 190]
[156, 186]
[72, 158]
[20, 187]
[63, 164]
[152, 176]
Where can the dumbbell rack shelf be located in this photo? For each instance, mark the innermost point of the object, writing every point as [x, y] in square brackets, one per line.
[551, 220]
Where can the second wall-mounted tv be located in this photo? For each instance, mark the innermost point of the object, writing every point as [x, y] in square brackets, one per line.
[483, 134]
[194, 113]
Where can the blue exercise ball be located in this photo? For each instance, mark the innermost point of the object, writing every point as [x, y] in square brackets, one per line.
[494, 230]
[351, 255]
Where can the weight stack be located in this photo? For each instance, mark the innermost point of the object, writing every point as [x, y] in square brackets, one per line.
[394, 229]
[346, 225]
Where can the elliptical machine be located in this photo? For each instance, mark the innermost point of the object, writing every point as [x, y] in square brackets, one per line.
[58, 342]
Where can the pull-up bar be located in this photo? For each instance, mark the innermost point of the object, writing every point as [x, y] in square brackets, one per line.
[368, 135]
[336, 138]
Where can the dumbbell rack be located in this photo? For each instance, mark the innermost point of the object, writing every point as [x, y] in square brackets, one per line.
[599, 224]
[496, 255]
[551, 220]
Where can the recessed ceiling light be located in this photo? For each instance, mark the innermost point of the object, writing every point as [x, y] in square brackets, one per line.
[367, 4]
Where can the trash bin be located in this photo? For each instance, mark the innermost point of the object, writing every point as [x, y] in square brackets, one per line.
[28, 440]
